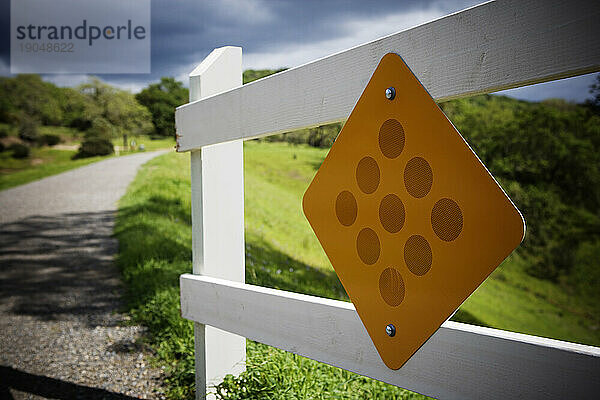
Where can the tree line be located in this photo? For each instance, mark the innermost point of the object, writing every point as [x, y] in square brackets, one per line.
[97, 111]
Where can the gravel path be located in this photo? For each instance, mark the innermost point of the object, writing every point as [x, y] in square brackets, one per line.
[61, 335]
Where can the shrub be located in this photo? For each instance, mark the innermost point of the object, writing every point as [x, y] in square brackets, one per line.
[4, 131]
[2, 148]
[28, 129]
[94, 146]
[296, 137]
[19, 150]
[49, 139]
[322, 137]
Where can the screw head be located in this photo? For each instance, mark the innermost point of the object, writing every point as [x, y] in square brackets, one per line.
[390, 93]
[390, 330]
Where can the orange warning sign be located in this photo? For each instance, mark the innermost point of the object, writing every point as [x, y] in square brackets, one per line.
[410, 219]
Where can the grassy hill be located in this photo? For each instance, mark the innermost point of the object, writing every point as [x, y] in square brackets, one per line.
[545, 155]
[154, 232]
[278, 173]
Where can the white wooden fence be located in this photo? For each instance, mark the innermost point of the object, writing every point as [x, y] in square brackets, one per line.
[494, 46]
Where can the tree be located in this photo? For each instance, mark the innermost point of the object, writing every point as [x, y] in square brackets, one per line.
[110, 112]
[28, 128]
[595, 91]
[73, 105]
[30, 95]
[546, 156]
[161, 99]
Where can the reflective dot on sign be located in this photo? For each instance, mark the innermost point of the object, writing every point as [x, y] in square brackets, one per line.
[418, 177]
[367, 175]
[367, 246]
[392, 213]
[391, 286]
[391, 138]
[417, 255]
[346, 208]
[446, 219]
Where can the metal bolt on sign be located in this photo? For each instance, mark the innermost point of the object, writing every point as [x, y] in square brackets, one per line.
[390, 330]
[409, 217]
[390, 93]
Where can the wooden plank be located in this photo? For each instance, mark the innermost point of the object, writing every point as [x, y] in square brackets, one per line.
[218, 218]
[494, 46]
[458, 362]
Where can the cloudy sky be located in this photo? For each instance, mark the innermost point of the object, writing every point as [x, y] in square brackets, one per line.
[278, 33]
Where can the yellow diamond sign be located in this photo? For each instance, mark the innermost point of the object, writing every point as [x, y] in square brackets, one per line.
[410, 219]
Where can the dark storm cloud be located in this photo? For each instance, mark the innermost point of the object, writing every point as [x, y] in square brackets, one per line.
[185, 31]
[273, 34]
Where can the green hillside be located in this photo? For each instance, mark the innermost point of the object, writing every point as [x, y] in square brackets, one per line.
[547, 158]
[524, 294]
[545, 155]
[278, 173]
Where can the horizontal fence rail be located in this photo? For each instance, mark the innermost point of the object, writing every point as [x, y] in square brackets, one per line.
[494, 46]
[459, 361]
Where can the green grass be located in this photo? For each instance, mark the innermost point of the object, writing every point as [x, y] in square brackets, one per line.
[47, 161]
[277, 173]
[64, 132]
[513, 300]
[41, 163]
[154, 232]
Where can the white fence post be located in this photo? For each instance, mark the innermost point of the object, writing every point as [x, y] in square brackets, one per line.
[218, 219]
